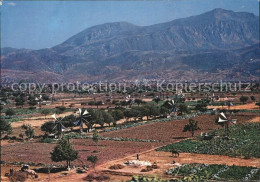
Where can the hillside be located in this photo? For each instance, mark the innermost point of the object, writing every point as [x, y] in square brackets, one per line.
[218, 44]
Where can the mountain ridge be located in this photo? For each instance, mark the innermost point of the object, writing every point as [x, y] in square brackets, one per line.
[115, 50]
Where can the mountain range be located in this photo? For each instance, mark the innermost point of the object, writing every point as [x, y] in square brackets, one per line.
[216, 45]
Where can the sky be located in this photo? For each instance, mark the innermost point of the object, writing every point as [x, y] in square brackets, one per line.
[44, 24]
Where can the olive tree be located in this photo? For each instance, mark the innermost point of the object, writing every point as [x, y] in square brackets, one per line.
[64, 151]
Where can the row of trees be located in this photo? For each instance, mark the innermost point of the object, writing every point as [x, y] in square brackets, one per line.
[20, 99]
[112, 116]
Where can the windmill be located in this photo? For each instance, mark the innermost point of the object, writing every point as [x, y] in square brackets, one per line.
[39, 100]
[223, 119]
[170, 104]
[58, 126]
[82, 119]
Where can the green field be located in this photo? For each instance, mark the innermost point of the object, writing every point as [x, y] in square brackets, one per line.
[247, 145]
[200, 172]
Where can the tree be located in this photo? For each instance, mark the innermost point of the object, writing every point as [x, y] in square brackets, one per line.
[164, 111]
[124, 103]
[45, 112]
[243, 99]
[144, 111]
[201, 107]
[95, 137]
[5, 126]
[68, 121]
[45, 97]
[135, 113]
[58, 111]
[157, 100]
[91, 103]
[100, 118]
[29, 131]
[64, 151]
[19, 101]
[9, 112]
[93, 159]
[32, 101]
[108, 119]
[96, 116]
[98, 103]
[139, 101]
[48, 127]
[154, 110]
[183, 108]
[252, 98]
[127, 114]
[61, 108]
[115, 102]
[117, 115]
[192, 127]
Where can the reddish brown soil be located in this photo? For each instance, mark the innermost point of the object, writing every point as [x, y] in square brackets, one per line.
[250, 106]
[117, 152]
[164, 161]
[40, 152]
[170, 131]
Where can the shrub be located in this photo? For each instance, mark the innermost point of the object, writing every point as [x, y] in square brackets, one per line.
[116, 166]
[47, 140]
[9, 112]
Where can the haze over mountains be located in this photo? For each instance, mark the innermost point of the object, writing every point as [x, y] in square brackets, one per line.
[218, 44]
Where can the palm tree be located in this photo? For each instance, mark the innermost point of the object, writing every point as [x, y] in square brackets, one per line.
[192, 127]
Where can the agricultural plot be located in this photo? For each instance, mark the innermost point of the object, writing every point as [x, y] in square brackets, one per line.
[199, 172]
[244, 140]
[105, 150]
[172, 130]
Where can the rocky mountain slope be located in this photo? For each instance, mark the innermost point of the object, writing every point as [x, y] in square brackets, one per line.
[218, 44]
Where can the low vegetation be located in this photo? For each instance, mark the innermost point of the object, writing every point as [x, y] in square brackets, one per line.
[205, 172]
[244, 140]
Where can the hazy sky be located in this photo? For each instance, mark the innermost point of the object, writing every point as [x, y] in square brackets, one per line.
[42, 24]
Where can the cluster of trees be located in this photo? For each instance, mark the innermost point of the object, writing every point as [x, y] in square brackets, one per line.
[64, 151]
[244, 99]
[95, 103]
[5, 126]
[20, 98]
[29, 131]
[202, 105]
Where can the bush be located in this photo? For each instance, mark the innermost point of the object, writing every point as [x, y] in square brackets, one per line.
[243, 99]
[67, 121]
[29, 132]
[47, 140]
[48, 126]
[116, 166]
[9, 112]
[61, 108]
[32, 108]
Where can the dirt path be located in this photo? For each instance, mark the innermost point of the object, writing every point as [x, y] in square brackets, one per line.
[37, 120]
[250, 106]
[165, 161]
[255, 120]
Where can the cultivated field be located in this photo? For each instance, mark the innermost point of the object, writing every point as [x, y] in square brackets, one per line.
[121, 143]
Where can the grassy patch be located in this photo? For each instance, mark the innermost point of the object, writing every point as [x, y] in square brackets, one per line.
[247, 145]
[215, 172]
